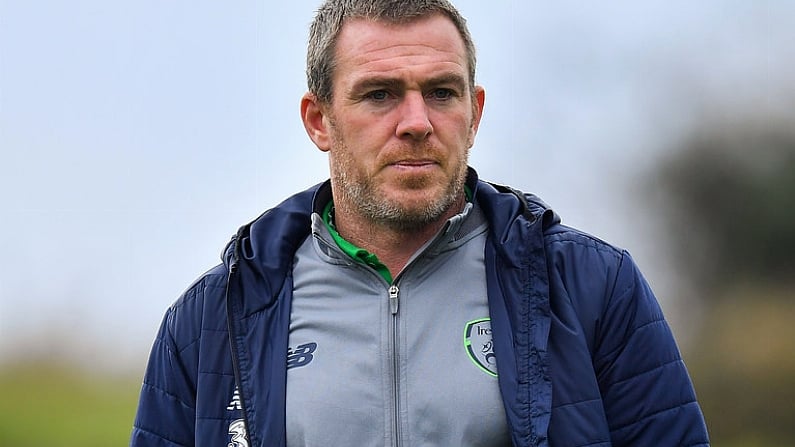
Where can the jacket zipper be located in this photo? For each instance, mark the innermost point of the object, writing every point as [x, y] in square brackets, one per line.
[395, 342]
[232, 346]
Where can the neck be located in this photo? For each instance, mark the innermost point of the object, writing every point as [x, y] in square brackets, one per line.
[393, 246]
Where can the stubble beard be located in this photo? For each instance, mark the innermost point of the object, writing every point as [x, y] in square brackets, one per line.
[362, 194]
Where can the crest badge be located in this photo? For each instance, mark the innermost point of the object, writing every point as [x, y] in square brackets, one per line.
[480, 346]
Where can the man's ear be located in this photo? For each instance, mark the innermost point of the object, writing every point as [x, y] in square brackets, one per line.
[316, 122]
[477, 112]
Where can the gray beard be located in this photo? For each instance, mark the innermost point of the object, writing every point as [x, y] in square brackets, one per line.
[370, 205]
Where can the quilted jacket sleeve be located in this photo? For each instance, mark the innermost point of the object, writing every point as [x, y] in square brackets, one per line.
[167, 405]
[647, 393]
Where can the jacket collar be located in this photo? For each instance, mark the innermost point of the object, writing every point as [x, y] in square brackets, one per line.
[263, 249]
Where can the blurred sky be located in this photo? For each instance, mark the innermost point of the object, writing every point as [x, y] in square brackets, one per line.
[136, 136]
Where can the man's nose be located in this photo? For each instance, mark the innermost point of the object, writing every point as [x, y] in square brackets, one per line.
[414, 120]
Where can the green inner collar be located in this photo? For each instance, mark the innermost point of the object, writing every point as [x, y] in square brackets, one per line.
[360, 254]
[353, 251]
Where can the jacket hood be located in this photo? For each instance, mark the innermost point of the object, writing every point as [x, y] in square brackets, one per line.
[506, 207]
[263, 260]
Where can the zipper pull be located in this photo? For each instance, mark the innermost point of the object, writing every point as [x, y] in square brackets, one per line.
[393, 299]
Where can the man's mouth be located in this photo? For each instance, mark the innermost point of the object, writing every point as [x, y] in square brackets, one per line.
[414, 164]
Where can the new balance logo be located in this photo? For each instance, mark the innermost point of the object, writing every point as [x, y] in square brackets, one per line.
[300, 356]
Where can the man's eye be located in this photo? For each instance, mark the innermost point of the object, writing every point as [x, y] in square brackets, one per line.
[442, 94]
[378, 95]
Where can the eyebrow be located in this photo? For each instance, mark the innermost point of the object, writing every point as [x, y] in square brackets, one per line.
[453, 79]
[377, 82]
[393, 83]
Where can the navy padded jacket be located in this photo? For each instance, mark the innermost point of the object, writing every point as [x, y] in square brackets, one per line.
[585, 355]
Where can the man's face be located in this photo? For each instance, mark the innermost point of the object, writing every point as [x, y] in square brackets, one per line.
[401, 121]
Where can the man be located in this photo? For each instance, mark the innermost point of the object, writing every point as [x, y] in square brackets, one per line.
[406, 302]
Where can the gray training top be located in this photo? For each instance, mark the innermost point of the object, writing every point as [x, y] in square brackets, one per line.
[402, 364]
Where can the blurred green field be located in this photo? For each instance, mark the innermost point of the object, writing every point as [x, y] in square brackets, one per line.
[743, 367]
[45, 405]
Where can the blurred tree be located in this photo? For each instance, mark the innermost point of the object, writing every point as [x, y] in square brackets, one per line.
[729, 198]
[730, 190]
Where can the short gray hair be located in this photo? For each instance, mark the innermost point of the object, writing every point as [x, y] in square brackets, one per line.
[332, 14]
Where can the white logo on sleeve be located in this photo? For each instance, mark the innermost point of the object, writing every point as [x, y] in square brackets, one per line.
[234, 404]
[237, 429]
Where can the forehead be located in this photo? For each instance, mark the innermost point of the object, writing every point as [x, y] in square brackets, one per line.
[370, 45]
